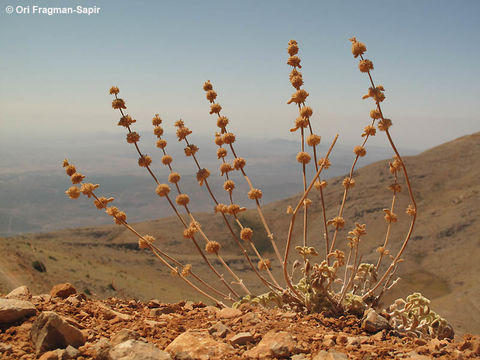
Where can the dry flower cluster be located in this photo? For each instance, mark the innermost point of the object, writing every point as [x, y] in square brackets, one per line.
[338, 284]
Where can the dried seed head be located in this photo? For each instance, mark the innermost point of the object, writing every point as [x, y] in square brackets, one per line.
[218, 139]
[338, 222]
[120, 218]
[229, 138]
[411, 210]
[289, 210]
[375, 93]
[222, 122]
[77, 178]
[369, 131]
[325, 162]
[179, 123]
[296, 81]
[221, 152]
[229, 185]
[395, 188]
[183, 132]
[114, 90]
[102, 202]
[182, 199]
[88, 188]
[358, 48]
[156, 120]
[144, 161]
[126, 121]
[161, 143]
[191, 150]
[359, 230]
[118, 104]
[234, 209]
[158, 131]
[294, 73]
[300, 122]
[215, 108]
[189, 232]
[292, 49]
[246, 234]
[255, 194]
[225, 168]
[298, 97]
[73, 192]
[145, 241]
[359, 150]
[239, 163]
[211, 95]
[307, 202]
[174, 177]
[212, 247]
[70, 170]
[65, 163]
[384, 124]
[112, 210]
[221, 208]
[390, 217]
[375, 114]
[202, 175]
[320, 184]
[396, 165]
[294, 61]
[187, 269]
[313, 140]
[306, 112]
[365, 65]
[207, 86]
[133, 137]
[264, 264]
[162, 189]
[348, 183]
[303, 157]
[167, 159]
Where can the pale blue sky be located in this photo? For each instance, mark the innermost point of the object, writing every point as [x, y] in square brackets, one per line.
[56, 70]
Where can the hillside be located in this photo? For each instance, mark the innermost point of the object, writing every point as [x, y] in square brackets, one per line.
[441, 260]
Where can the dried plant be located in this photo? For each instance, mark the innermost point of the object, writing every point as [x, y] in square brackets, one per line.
[337, 284]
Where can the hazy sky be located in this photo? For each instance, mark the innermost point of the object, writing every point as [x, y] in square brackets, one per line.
[56, 70]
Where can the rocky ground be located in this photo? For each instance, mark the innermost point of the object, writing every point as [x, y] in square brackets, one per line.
[68, 325]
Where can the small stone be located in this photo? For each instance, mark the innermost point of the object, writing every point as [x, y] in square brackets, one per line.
[12, 310]
[110, 314]
[124, 335]
[63, 290]
[70, 353]
[189, 305]
[330, 355]
[101, 349]
[5, 348]
[458, 355]
[329, 340]
[154, 303]
[198, 344]
[52, 355]
[374, 322]
[20, 293]
[137, 350]
[273, 343]
[298, 357]
[219, 329]
[241, 338]
[228, 313]
[420, 342]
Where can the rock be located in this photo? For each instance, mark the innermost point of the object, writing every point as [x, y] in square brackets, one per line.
[20, 293]
[374, 322]
[137, 350]
[154, 303]
[70, 353]
[5, 348]
[76, 299]
[198, 344]
[228, 313]
[330, 355]
[110, 314]
[277, 344]
[329, 340]
[189, 305]
[298, 357]
[49, 331]
[12, 310]
[219, 329]
[124, 335]
[52, 355]
[101, 349]
[413, 355]
[241, 338]
[63, 290]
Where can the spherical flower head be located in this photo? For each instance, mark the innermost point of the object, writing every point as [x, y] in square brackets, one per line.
[167, 159]
[359, 150]
[375, 93]
[234, 209]
[320, 184]
[102, 202]
[158, 131]
[118, 104]
[133, 137]
[384, 124]
[292, 42]
[365, 65]
[112, 210]
[369, 131]
[294, 73]
[144, 161]
[88, 188]
[246, 234]
[390, 217]
[411, 210]
[264, 264]
[120, 218]
[221, 152]
[307, 202]
[338, 222]
[239, 163]
[212, 247]
[114, 90]
[126, 121]
[202, 175]
[162, 144]
[229, 185]
[294, 61]
[189, 232]
[289, 210]
[145, 241]
[187, 269]
[77, 178]
[360, 229]
[190, 150]
[395, 188]
[73, 192]
[221, 208]
[306, 112]
[292, 49]
[303, 157]
[375, 114]
[396, 165]
[229, 138]
[325, 162]
[296, 81]
[218, 139]
[298, 97]
[358, 48]
[70, 170]
[300, 122]
[156, 120]
[313, 140]
[348, 183]
[183, 132]
[162, 189]
[179, 123]
[222, 122]
[182, 199]
[215, 108]
[255, 194]
[174, 177]
[207, 86]
[225, 168]
[211, 95]
[65, 163]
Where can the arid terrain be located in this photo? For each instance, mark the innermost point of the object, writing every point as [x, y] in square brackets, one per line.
[441, 260]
